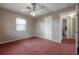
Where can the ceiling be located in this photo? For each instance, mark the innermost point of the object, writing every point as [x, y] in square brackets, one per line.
[48, 7]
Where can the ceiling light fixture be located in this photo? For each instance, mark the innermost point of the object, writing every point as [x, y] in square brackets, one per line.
[33, 9]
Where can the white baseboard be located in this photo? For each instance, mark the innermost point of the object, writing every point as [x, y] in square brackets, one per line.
[49, 39]
[29, 37]
[15, 39]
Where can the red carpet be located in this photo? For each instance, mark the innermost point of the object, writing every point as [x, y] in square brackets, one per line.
[36, 46]
[68, 41]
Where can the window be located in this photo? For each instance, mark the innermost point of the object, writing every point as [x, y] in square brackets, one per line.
[20, 24]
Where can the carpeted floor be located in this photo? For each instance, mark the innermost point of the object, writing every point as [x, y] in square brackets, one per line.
[36, 46]
[68, 41]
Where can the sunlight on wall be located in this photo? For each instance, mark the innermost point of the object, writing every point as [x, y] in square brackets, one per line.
[20, 24]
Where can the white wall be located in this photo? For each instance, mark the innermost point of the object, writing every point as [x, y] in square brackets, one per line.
[39, 27]
[8, 25]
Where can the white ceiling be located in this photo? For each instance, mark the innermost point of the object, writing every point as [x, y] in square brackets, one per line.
[48, 7]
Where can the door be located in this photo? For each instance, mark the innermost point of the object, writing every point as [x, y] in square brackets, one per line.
[48, 27]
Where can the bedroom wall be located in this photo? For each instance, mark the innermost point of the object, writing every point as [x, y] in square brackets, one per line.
[8, 26]
[34, 27]
[56, 23]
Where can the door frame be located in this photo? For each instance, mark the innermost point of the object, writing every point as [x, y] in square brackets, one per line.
[61, 23]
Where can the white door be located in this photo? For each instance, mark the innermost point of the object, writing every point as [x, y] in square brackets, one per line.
[48, 27]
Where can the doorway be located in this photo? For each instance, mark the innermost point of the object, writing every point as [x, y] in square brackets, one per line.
[68, 27]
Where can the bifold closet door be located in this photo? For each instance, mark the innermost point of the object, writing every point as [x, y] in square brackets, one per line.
[48, 27]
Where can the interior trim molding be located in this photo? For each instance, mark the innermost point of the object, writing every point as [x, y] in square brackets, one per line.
[49, 39]
[15, 39]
